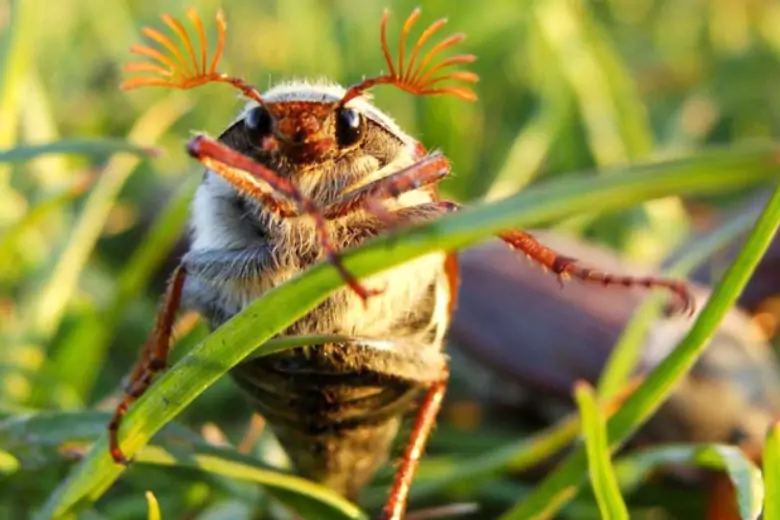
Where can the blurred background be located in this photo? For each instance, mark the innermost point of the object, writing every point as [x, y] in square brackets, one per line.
[87, 237]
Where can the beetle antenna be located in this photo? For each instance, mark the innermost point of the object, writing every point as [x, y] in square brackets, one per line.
[420, 78]
[170, 68]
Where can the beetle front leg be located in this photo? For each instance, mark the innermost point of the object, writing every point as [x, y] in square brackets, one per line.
[154, 357]
[277, 193]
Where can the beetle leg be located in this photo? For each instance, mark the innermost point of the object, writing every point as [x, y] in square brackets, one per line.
[425, 172]
[561, 265]
[153, 359]
[395, 506]
[254, 180]
[565, 267]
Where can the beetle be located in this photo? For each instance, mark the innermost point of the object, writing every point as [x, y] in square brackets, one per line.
[305, 171]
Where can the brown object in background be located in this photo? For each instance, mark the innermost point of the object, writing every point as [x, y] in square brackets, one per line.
[538, 339]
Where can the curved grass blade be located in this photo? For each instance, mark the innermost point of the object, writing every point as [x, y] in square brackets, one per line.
[516, 456]
[154, 507]
[526, 453]
[745, 476]
[38, 439]
[308, 499]
[602, 475]
[623, 359]
[531, 146]
[562, 484]
[287, 303]
[89, 147]
[634, 469]
[772, 474]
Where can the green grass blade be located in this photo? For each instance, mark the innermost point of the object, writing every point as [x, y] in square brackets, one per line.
[622, 361]
[90, 147]
[516, 456]
[529, 150]
[283, 305]
[602, 475]
[558, 488]
[51, 303]
[562, 25]
[470, 472]
[35, 438]
[33, 217]
[745, 476]
[154, 507]
[772, 474]
[634, 469]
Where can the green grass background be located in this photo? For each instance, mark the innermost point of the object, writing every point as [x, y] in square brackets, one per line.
[566, 86]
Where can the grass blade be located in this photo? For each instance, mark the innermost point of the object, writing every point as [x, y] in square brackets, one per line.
[90, 147]
[745, 476]
[602, 475]
[772, 474]
[308, 499]
[516, 456]
[561, 485]
[286, 303]
[37, 439]
[50, 305]
[634, 469]
[78, 366]
[33, 217]
[154, 507]
[624, 356]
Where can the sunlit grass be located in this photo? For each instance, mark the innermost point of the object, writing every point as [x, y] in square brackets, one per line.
[575, 97]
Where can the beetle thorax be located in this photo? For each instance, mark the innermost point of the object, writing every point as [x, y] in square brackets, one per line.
[224, 220]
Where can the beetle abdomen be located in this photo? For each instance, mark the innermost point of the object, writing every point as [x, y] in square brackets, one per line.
[334, 418]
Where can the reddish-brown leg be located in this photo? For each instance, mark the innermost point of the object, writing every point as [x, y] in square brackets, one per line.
[153, 359]
[425, 172]
[564, 267]
[561, 265]
[243, 173]
[395, 507]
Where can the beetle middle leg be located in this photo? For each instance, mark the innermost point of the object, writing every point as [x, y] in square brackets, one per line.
[433, 168]
[154, 358]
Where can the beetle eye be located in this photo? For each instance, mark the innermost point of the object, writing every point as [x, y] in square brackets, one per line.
[349, 126]
[258, 123]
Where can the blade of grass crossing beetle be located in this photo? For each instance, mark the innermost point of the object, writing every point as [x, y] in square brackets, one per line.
[624, 357]
[286, 303]
[563, 482]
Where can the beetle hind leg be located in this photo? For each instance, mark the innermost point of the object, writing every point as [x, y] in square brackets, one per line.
[395, 507]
